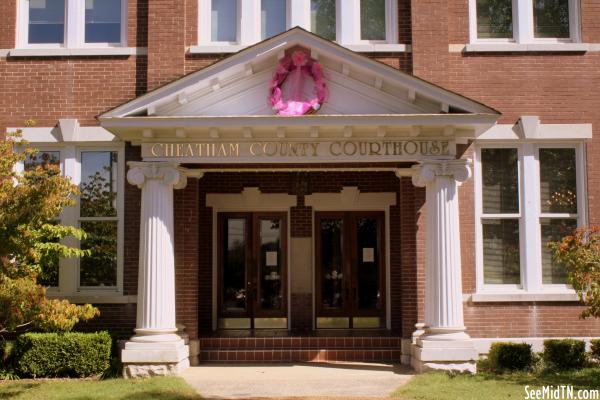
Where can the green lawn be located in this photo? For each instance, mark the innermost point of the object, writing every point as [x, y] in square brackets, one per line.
[436, 385]
[113, 389]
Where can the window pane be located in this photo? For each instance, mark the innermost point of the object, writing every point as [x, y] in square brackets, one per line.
[272, 17]
[234, 265]
[102, 21]
[500, 181]
[558, 181]
[372, 19]
[554, 230]
[42, 158]
[99, 269]
[223, 21]
[322, 18]
[46, 21]
[98, 184]
[551, 18]
[501, 259]
[271, 260]
[494, 19]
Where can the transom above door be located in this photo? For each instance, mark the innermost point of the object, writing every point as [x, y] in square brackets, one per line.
[350, 269]
[252, 270]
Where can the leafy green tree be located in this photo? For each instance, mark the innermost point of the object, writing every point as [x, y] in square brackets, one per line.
[30, 203]
[580, 254]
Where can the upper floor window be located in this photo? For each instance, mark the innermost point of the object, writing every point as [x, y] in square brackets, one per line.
[527, 196]
[524, 21]
[242, 23]
[72, 23]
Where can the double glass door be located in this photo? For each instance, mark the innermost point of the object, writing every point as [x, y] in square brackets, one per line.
[350, 270]
[252, 271]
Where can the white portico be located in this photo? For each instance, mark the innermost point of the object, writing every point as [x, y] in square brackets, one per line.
[375, 119]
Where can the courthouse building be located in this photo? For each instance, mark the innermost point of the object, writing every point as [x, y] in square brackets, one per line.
[314, 180]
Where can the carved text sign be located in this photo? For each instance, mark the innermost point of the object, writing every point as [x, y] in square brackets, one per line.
[299, 151]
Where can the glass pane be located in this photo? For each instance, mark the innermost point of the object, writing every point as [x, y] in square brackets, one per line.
[500, 181]
[372, 19]
[494, 19]
[501, 260]
[99, 171]
[554, 230]
[42, 158]
[272, 17]
[558, 181]
[551, 18]
[270, 264]
[99, 269]
[367, 242]
[102, 21]
[46, 21]
[234, 265]
[331, 263]
[322, 18]
[223, 21]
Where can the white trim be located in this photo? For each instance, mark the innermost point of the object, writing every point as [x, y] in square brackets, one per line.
[523, 31]
[74, 36]
[530, 241]
[545, 132]
[54, 135]
[96, 299]
[522, 296]
[74, 52]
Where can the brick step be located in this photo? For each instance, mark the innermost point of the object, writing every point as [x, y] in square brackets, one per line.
[300, 355]
[299, 343]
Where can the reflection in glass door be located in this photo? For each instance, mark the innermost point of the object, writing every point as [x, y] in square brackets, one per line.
[252, 271]
[350, 269]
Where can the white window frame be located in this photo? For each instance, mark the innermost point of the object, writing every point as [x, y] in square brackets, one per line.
[523, 32]
[119, 217]
[530, 241]
[297, 14]
[74, 36]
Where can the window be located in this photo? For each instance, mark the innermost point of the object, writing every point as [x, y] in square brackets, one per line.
[524, 21]
[526, 196]
[228, 25]
[72, 23]
[98, 217]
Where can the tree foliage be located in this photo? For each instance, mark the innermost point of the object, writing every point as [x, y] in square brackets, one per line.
[580, 254]
[30, 239]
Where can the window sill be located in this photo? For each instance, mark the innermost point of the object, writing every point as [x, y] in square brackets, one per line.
[489, 297]
[365, 48]
[524, 47]
[81, 298]
[83, 51]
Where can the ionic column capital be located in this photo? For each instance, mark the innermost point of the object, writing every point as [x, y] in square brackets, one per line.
[169, 173]
[428, 170]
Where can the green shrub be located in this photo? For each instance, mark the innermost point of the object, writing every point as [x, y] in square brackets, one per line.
[563, 354]
[7, 351]
[595, 349]
[62, 354]
[506, 356]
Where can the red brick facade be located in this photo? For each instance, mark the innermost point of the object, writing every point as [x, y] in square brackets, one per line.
[559, 87]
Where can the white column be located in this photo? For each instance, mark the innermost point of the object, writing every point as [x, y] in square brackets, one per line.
[445, 341]
[156, 349]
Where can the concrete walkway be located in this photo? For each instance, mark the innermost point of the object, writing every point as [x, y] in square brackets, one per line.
[296, 380]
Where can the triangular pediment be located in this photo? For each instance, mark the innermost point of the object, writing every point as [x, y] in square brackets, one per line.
[239, 86]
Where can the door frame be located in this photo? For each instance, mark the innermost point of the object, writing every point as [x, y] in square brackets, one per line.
[252, 273]
[350, 198]
[350, 268]
[251, 199]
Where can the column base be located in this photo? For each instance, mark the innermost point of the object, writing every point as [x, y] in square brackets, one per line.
[446, 350]
[145, 359]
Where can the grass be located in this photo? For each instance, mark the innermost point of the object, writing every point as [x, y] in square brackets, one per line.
[437, 385]
[160, 388]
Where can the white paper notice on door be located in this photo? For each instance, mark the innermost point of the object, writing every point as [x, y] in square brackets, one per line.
[368, 254]
[271, 259]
